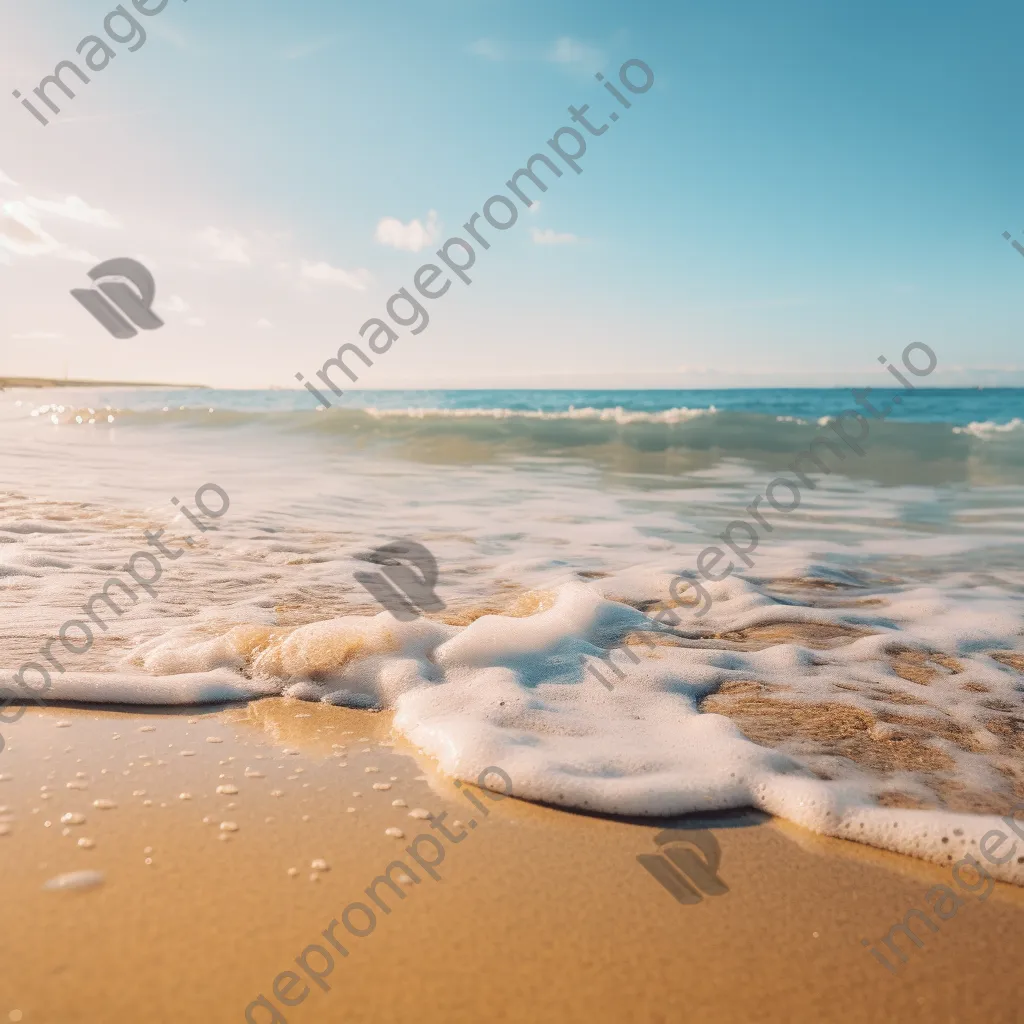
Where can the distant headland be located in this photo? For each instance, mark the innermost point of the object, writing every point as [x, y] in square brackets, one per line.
[53, 382]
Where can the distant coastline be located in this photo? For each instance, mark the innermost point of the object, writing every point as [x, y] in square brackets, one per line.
[52, 382]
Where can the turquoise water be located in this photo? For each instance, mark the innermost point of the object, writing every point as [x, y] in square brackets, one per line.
[933, 436]
[955, 406]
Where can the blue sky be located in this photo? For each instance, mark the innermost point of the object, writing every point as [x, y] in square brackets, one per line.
[805, 186]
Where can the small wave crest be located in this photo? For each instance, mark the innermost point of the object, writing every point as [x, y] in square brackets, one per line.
[987, 430]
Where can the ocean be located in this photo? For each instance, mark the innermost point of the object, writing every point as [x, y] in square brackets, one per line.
[862, 676]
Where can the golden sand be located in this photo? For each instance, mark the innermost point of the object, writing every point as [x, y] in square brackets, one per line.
[540, 915]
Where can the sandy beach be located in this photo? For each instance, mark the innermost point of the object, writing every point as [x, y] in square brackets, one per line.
[587, 586]
[538, 913]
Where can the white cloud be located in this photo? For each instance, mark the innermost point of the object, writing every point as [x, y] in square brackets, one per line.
[412, 236]
[549, 237]
[572, 54]
[195, 321]
[571, 51]
[162, 30]
[4, 180]
[175, 304]
[488, 49]
[22, 234]
[75, 209]
[264, 324]
[534, 207]
[356, 279]
[228, 246]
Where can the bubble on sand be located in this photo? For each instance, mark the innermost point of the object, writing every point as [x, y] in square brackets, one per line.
[5, 830]
[227, 790]
[86, 844]
[277, 792]
[252, 773]
[420, 813]
[184, 796]
[382, 785]
[104, 805]
[399, 803]
[187, 753]
[293, 872]
[76, 784]
[72, 818]
[320, 865]
[395, 833]
[62, 724]
[214, 739]
[370, 768]
[73, 880]
[228, 826]
[138, 792]
[147, 728]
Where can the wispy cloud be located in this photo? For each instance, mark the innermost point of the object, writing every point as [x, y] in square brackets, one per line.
[549, 237]
[74, 208]
[488, 49]
[264, 324]
[572, 54]
[174, 304]
[4, 180]
[173, 36]
[227, 246]
[299, 50]
[355, 279]
[411, 237]
[572, 51]
[22, 234]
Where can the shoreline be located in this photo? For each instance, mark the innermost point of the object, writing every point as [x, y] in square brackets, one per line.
[11, 383]
[241, 907]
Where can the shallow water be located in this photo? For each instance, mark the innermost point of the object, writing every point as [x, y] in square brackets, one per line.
[873, 646]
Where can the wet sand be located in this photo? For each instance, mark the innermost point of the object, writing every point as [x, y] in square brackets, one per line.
[539, 914]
